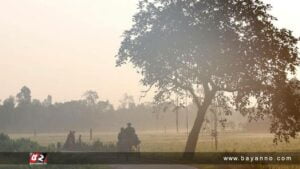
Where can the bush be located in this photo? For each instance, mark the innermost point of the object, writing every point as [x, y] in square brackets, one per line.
[26, 145]
[18, 145]
[6, 144]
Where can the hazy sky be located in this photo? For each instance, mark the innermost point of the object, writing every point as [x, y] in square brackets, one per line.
[65, 47]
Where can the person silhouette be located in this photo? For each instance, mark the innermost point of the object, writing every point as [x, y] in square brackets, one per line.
[129, 129]
[70, 141]
[132, 139]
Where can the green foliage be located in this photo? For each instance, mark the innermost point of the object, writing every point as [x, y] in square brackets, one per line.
[25, 145]
[18, 145]
[6, 144]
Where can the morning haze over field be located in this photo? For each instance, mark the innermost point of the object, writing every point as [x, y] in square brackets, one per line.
[65, 47]
[195, 77]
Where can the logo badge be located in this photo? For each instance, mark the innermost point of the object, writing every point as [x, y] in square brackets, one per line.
[38, 158]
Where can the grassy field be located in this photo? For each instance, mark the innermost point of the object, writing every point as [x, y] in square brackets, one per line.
[175, 142]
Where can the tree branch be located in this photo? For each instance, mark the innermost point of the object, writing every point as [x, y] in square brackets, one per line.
[189, 89]
[146, 91]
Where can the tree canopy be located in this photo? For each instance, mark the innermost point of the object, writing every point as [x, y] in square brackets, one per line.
[91, 97]
[216, 47]
[24, 96]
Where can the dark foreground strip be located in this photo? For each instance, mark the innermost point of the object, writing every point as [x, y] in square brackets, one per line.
[154, 158]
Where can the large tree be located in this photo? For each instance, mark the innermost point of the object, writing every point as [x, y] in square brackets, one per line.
[229, 50]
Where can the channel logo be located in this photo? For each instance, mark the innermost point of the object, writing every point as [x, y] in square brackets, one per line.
[38, 158]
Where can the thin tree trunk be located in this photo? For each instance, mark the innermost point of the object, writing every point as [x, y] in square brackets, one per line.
[187, 122]
[194, 134]
[216, 129]
[177, 127]
[187, 116]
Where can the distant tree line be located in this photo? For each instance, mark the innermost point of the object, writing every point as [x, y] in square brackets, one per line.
[22, 113]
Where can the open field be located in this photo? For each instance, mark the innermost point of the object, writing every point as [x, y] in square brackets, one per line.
[173, 142]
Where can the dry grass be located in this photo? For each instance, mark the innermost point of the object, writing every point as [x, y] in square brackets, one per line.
[174, 142]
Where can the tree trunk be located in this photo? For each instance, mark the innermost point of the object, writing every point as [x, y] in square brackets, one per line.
[177, 127]
[187, 122]
[194, 134]
[215, 129]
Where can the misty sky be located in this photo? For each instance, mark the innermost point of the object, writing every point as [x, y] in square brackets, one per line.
[65, 47]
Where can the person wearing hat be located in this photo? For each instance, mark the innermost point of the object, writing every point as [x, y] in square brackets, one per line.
[131, 137]
[129, 129]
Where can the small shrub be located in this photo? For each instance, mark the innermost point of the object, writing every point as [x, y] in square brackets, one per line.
[18, 145]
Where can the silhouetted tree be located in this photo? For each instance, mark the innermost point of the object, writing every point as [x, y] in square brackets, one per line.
[127, 102]
[48, 101]
[105, 106]
[40, 117]
[218, 47]
[6, 112]
[24, 96]
[91, 97]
